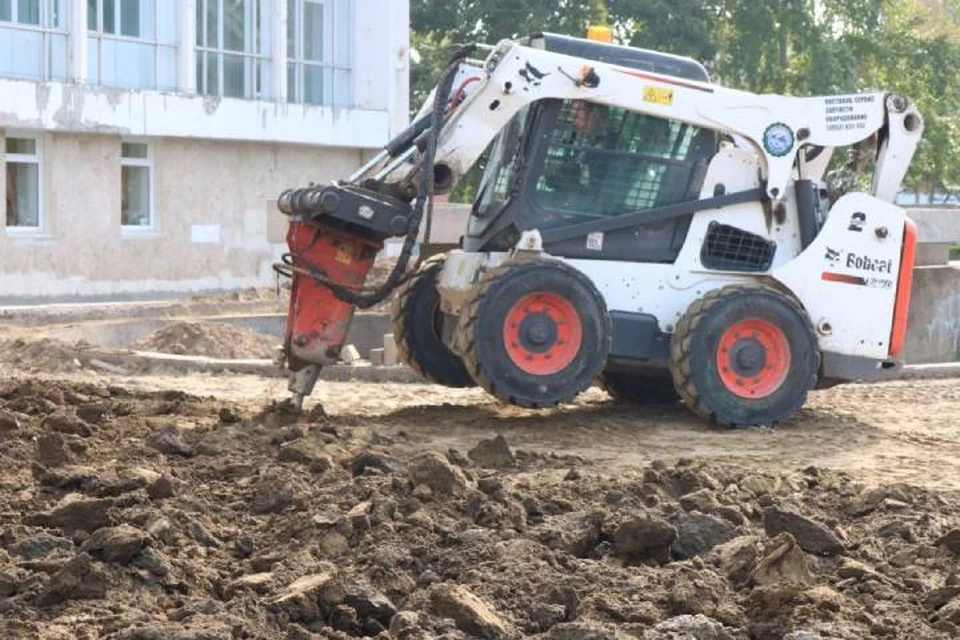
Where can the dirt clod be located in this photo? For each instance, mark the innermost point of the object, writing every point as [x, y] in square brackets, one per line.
[432, 470]
[80, 578]
[116, 544]
[813, 537]
[495, 453]
[471, 614]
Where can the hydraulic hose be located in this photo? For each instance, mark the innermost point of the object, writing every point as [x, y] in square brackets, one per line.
[367, 297]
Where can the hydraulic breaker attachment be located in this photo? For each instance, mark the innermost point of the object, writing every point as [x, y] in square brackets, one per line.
[334, 236]
[337, 230]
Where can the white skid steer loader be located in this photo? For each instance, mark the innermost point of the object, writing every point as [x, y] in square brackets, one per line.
[635, 225]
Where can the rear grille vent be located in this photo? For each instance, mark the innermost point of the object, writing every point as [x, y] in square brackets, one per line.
[731, 249]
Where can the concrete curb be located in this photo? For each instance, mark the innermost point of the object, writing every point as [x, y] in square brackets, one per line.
[134, 362]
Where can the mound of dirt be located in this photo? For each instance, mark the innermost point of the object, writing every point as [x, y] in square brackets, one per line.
[212, 339]
[133, 515]
[44, 354]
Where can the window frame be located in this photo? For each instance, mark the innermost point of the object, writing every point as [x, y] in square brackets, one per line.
[257, 53]
[336, 15]
[21, 158]
[148, 163]
[48, 31]
[98, 35]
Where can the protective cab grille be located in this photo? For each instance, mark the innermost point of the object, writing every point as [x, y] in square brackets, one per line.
[728, 248]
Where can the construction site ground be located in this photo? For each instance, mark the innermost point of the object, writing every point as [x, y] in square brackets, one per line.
[157, 503]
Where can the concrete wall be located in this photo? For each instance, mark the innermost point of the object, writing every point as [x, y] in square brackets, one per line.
[933, 325]
[82, 250]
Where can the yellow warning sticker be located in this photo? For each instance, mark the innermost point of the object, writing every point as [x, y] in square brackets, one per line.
[343, 255]
[658, 95]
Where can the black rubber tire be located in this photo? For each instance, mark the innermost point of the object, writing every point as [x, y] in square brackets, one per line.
[694, 345]
[644, 389]
[416, 318]
[480, 333]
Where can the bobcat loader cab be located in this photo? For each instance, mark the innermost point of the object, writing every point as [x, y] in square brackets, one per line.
[637, 226]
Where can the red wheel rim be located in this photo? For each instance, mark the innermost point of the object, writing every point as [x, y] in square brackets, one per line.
[542, 333]
[753, 358]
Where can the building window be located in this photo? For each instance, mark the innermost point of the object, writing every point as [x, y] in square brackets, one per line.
[318, 49]
[133, 43]
[233, 48]
[22, 160]
[33, 39]
[136, 197]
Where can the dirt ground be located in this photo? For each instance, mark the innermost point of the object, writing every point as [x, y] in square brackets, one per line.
[190, 507]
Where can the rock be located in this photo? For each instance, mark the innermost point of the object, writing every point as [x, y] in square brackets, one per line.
[405, 624]
[897, 528]
[698, 533]
[67, 423]
[813, 537]
[576, 533]
[9, 584]
[950, 611]
[950, 540]
[168, 440]
[228, 416]
[702, 501]
[153, 561]
[850, 568]
[9, 424]
[642, 539]
[204, 629]
[256, 582]
[39, 545]
[307, 454]
[344, 619]
[199, 533]
[271, 496]
[433, 470]
[738, 557]
[936, 598]
[572, 475]
[52, 450]
[731, 515]
[376, 607]
[782, 561]
[79, 579]
[803, 635]
[687, 627]
[94, 413]
[75, 514]
[160, 528]
[161, 488]
[68, 477]
[300, 599]
[371, 460]
[581, 631]
[116, 544]
[494, 453]
[243, 547]
[544, 616]
[824, 598]
[470, 613]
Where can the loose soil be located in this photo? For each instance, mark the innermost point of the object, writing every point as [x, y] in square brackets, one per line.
[212, 339]
[195, 507]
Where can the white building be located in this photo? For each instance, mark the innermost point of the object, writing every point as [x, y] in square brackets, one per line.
[144, 142]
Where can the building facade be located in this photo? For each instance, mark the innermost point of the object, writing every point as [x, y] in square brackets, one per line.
[144, 142]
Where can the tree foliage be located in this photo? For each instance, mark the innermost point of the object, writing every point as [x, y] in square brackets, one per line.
[794, 47]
